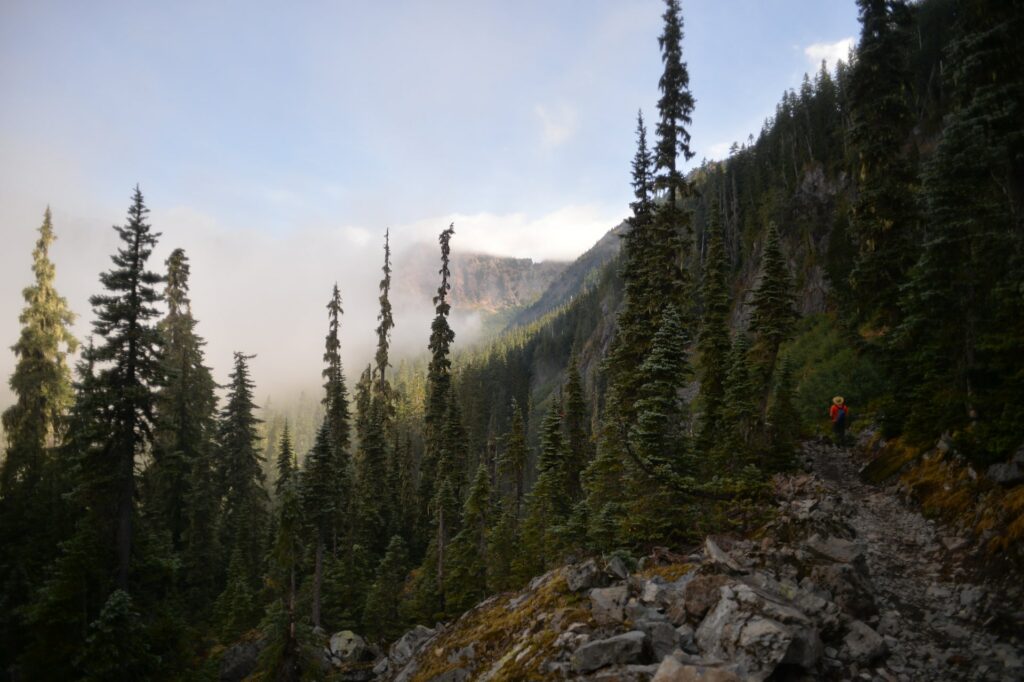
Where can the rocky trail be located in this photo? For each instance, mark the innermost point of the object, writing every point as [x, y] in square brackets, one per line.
[847, 581]
[938, 620]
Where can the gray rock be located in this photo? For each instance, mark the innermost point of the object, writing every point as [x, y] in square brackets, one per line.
[757, 632]
[835, 549]
[719, 557]
[673, 670]
[346, 646]
[607, 604]
[408, 644]
[625, 648]
[685, 635]
[239, 660]
[889, 623]
[971, 596]
[663, 637]
[583, 576]
[698, 596]
[863, 645]
[617, 567]
[1009, 473]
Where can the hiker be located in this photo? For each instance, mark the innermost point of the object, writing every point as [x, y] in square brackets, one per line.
[838, 413]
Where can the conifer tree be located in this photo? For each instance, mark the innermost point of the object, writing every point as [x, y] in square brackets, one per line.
[772, 316]
[236, 609]
[371, 507]
[185, 406]
[884, 220]
[131, 372]
[117, 645]
[548, 504]
[318, 499]
[577, 432]
[466, 574]
[383, 615]
[33, 470]
[336, 415]
[515, 458]
[285, 462]
[287, 647]
[240, 471]
[386, 324]
[740, 413]
[503, 549]
[438, 379]
[713, 343]
[783, 421]
[41, 380]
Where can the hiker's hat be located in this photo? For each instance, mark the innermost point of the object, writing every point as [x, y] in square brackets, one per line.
[838, 400]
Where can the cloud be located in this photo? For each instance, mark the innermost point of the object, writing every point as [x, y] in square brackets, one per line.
[719, 150]
[829, 52]
[558, 123]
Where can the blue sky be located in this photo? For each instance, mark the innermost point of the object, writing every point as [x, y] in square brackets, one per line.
[306, 128]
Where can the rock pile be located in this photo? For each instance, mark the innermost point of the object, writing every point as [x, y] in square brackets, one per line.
[817, 596]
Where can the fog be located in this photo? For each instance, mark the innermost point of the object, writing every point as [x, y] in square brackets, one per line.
[265, 293]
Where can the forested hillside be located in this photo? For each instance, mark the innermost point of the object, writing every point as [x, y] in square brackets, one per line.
[867, 243]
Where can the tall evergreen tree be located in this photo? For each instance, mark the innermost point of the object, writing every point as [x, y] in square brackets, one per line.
[577, 432]
[548, 504]
[383, 617]
[33, 473]
[783, 421]
[515, 458]
[240, 471]
[740, 413]
[319, 498]
[185, 407]
[131, 372]
[336, 417]
[466, 574]
[438, 378]
[386, 323]
[41, 380]
[286, 465]
[713, 342]
[884, 221]
[773, 315]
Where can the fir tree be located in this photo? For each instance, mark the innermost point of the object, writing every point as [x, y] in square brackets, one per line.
[117, 646]
[740, 414]
[130, 374]
[236, 609]
[884, 221]
[548, 504]
[783, 421]
[577, 433]
[514, 461]
[285, 462]
[675, 105]
[503, 549]
[713, 343]
[438, 378]
[386, 324]
[466, 575]
[41, 380]
[241, 471]
[383, 615]
[336, 417]
[318, 499]
[33, 472]
[185, 407]
[772, 316]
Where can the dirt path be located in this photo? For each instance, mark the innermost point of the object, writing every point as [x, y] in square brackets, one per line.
[938, 624]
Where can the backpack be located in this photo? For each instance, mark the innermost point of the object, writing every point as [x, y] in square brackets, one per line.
[841, 416]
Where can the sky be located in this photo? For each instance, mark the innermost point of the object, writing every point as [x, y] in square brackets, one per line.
[275, 142]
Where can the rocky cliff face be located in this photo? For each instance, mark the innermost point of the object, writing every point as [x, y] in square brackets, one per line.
[480, 282]
[846, 582]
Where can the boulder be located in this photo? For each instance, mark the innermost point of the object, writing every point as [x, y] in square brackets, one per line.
[346, 647]
[617, 568]
[583, 576]
[239, 660]
[625, 648]
[672, 670]
[863, 645]
[754, 630]
[607, 604]
[835, 549]
[719, 557]
[408, 644]
[698, 596]
[1011, 472]
[662, 636]
[848, 586]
